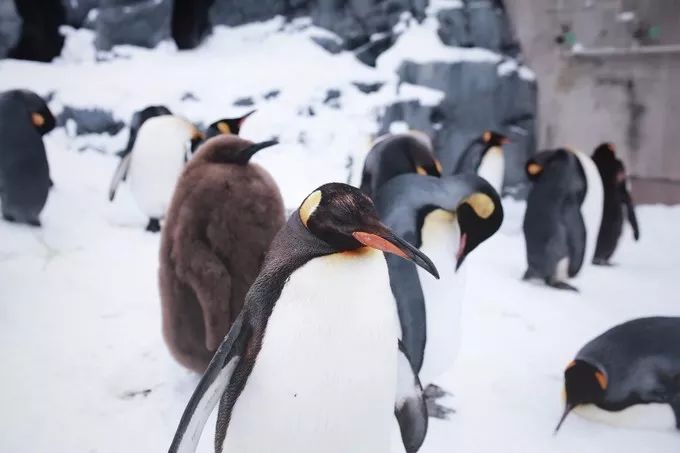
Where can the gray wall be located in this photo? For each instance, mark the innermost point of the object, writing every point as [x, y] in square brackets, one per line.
[631, 99]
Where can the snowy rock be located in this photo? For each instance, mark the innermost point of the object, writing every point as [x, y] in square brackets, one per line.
[78, 10]
[143, 23]
[10, 26]
[40, 39]
[89, 121]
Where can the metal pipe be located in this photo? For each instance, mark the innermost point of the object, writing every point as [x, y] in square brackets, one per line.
[625, 51]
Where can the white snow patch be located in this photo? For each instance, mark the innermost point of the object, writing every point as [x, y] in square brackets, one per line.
[426, 96]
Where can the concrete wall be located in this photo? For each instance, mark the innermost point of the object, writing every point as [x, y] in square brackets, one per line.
[629, 99]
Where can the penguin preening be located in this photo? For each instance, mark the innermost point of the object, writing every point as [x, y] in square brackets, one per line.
[396, 154]
[628, 376]
[24, 170]
[222, 219]
[484, 156]
[309, 364]
[616, 200]
[227, 126]
[446, 218]
[563, 215]
[162, 147]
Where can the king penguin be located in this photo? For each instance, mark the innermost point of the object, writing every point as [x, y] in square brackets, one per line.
[484, 156]
[629, 376]
[138, 118]
[563, 215]
[24, 170]
[162, 147]
[313, 364]
[396, 154]
[446, 218]
[226, 126]
[223, 216]
[616, 200]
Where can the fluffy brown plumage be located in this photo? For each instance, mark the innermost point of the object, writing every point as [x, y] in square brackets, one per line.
[221, 221]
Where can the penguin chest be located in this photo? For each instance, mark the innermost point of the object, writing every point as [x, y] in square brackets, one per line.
[154, 171]
[443, 297]
[653, 416]
[325, 377]
[593, 203]
[492, 168]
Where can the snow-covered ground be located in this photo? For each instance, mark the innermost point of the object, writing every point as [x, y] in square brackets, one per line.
[84, 366]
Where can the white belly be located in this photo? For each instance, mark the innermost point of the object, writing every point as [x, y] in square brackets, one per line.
[593, 204]
[325, 378]
[492, 168]
[642, 416]
[443, 297]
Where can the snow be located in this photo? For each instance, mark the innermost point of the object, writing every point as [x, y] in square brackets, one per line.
[85, 368]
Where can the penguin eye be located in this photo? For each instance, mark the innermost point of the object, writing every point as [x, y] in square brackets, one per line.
[223, 127]
[481, 203]
[308, 206]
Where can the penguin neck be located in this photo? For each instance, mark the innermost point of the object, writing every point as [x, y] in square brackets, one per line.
[492, 167]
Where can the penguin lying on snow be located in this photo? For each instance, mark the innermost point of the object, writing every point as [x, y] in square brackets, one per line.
[24, 170]
[226, 126]
[396, 154]
[446, 218]
[221, 221]
[309, 364]
[616, 199]
[628, 376]
[484, 156]
[563, 215]
[161, 148]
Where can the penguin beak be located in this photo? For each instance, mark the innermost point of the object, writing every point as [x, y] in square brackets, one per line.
[505, 141]
[245, 155]
[381, 238]
[243, 118]
[567, 409]
[462, 250]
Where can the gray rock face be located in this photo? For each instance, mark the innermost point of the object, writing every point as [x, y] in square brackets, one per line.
[10, 26]
[90, 121]
[141, 23]
[77, 10]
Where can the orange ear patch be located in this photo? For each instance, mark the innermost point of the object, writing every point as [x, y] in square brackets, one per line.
[534, 169]
[438, 166]
[486, 137]
[571, 364]
[37, 119]
[420, 170]
[601, 379]
[223, 127]
[611, 147]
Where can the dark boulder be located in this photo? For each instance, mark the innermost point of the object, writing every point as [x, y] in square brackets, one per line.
[40, 39]
[90, 121]
[140, 23]
[191, 22]
[10, 26]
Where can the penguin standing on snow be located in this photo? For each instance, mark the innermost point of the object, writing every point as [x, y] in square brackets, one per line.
[484, 156]
[24, 170]
[226, 126]
[309, 364]
[616, 199]
[563, 215]
[138, 118]
[628, 376]
[446, 218]
[162, 147]
[222, 219]
[396, 154]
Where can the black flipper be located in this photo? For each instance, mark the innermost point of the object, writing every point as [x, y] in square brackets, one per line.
[119, 175]
[209, 391]
[154, 225]
[409, 408]
[576, 238]
[630, 210]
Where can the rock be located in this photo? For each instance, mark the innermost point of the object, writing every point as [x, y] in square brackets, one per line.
[141, 23]
[331, 44]
[244, 102]
[191, 22]
[368, 88]
[40, 39]
[10, 26]
[272, 94]
[77, 10]
[90, 121]
[238, 12]
[369, 52]
[453, 27]
[333, 98]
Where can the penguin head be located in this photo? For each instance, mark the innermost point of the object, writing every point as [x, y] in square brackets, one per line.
[584, 383]
[479, 216]
[231, 149]
[491, 139]
[227, 126]
[604, 152]
[41, 116]
[422, 158]
[535, 166]
[345, 218]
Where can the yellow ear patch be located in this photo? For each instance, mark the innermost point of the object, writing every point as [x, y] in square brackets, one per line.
[308, 206]
[481, 203]
[197, 135]
[534, 169]
[601, 379]
[420, 170]
[223, 127]
[486, 137]
[438, 166]
[37, 119]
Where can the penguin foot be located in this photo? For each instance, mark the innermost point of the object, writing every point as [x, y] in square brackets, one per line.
[434, 392]
[154, 226]
[558, 284]
[436, 410]
[34, 222]
[675, 405]
[8, 217]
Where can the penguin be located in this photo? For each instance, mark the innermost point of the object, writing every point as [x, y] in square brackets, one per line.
[616, 200]
[396, 154]
[446, 219]
[309, 364]
[628, 376]
[136, 122]
[563, 215]
[222, 218]
[484, 156]
[24, 169]
[227, 126]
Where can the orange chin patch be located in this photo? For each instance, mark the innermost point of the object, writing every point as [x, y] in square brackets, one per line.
[438, 166]
[601, 379]
[378, 243]
[421, 170]
[37, 119]
[486, 137]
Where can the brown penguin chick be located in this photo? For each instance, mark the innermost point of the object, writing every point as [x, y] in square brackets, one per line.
[223, 216]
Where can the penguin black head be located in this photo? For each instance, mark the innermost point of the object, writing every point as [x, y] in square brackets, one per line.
[605, 152]
[479, 216]
[345, 218]
[227, 126]
[536, 165]
[231, 149]
[491, 139]
[423, 159]
[41, 116]
[583, 384]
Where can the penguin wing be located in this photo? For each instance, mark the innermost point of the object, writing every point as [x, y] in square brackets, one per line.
[210, 389]
[119, 175]
[630, 209]
[409, 408]
[576, 238]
